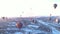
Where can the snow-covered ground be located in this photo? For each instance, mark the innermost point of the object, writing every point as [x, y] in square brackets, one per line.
[54, 30]
[32, 28]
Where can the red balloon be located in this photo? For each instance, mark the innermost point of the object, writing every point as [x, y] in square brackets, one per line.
[19, 25]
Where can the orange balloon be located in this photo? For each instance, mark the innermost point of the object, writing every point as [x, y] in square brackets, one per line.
[19, 25]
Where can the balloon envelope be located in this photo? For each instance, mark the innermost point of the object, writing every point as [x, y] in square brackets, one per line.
[55, 5]
[19, 25]
[3, 17]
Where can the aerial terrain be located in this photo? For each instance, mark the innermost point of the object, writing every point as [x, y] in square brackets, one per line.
[30, 25]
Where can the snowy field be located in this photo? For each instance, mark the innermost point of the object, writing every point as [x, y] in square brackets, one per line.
[36, 27]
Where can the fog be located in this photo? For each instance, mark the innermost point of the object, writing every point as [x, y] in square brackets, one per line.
[27, 8]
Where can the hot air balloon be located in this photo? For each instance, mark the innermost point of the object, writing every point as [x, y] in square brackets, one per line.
[3, 17]
[55, 5]
[33, 20]
[19, 25]
[50, 17]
